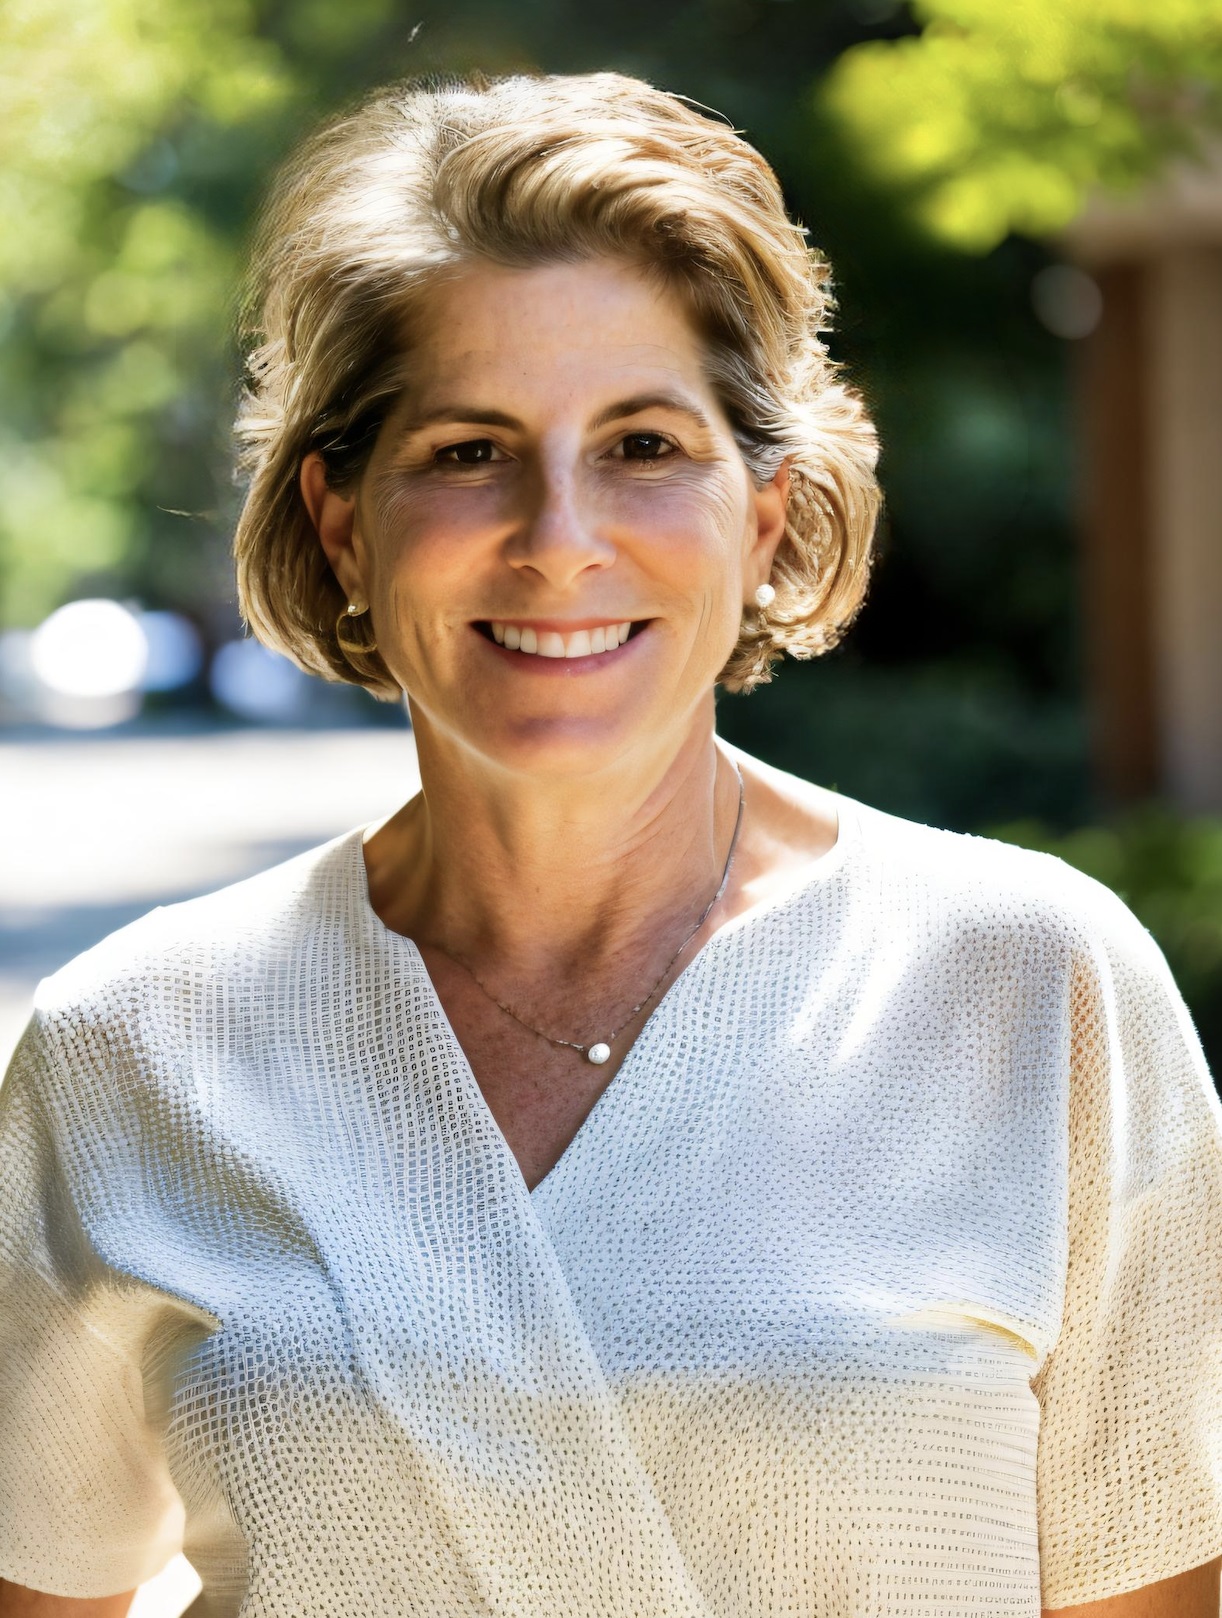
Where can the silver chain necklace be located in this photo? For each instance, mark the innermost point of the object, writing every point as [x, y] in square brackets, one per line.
[599, 1051]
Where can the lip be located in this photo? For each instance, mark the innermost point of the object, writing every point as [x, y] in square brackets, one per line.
[563, 626]
[558, 667]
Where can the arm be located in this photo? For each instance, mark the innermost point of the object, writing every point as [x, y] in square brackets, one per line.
[18, 1601]
[1129, 1485]
[1188, 1595]
[86, 1499]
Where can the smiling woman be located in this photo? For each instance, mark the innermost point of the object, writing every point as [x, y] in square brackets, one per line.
[535, 174]
[605, 496]
[626, 1181]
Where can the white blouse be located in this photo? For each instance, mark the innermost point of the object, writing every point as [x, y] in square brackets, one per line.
[884, 1279]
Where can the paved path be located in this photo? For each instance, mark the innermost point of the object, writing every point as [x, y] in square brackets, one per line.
[98, 829]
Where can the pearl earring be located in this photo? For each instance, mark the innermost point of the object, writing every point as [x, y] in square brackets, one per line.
[764, 597]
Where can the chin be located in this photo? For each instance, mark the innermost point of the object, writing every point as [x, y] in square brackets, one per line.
[556, 745]
[563, 747]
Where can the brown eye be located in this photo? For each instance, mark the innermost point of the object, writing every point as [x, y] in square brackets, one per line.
[645, 446]
[472, 452]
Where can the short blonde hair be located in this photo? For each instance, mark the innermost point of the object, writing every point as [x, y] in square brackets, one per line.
[524, 171]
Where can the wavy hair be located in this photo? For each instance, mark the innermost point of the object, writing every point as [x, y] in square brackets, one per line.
[522, 171]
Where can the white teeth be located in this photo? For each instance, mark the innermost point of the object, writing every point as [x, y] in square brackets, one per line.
[550, 643]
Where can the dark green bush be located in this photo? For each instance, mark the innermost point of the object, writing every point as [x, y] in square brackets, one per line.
[951, 746]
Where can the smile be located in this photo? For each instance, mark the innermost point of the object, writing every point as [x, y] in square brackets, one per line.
[538, 642]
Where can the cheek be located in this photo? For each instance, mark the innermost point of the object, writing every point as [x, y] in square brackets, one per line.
[696, 524]
[419, 544]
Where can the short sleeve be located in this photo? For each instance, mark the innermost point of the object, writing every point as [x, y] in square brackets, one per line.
[87, 1506]
[1130, 1447]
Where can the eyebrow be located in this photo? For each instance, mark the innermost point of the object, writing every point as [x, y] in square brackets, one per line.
[472, 415]
[481, 416]
[641, 402]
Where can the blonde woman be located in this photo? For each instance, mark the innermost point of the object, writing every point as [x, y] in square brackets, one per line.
[626, 1182]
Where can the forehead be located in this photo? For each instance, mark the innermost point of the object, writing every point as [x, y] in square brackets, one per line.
[555, 329]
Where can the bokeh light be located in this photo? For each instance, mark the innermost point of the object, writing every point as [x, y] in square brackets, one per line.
[1067, 301]
[256, 684]
[93, 648]
[175, 651]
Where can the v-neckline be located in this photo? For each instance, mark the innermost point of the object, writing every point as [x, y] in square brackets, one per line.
[616, 1087]
[826, 868]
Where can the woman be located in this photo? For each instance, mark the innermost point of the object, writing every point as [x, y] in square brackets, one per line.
[627, 1180]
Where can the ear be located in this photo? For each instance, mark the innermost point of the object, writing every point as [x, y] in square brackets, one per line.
[334, 519]
[771, 510]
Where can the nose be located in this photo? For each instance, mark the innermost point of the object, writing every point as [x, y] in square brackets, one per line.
[560, 535]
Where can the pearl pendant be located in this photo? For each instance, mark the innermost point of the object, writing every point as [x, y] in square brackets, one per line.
[598, 1054]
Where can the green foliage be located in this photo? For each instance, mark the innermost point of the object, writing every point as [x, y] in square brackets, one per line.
[933, 745]
[1169, 871]
[115, 291]
[84, 89]
[1001, 117]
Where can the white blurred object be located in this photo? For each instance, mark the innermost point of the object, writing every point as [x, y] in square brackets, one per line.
[257, 684]
[84, 713]
[175, 653]
[91, 648]
[169, 1594]
[28, 657]
[1067, 301]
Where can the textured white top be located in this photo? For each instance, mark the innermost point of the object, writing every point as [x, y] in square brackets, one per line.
[884, 1279]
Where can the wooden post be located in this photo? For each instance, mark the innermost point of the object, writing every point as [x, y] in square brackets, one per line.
[1184, 406]
[1150, 482]
[1115, 523]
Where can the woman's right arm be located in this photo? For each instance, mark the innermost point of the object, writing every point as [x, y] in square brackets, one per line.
[16, 1601]
[86, 1498]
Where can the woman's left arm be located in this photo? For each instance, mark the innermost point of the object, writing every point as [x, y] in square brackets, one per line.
[1188, 1595]
[1129, 1485]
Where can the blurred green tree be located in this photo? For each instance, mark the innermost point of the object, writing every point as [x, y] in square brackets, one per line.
[1001, 118]
[115, 279]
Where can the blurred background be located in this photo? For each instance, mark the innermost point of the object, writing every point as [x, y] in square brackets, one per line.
[1022, 205]
[1023, 208]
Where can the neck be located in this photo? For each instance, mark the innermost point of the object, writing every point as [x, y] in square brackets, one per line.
[495, 866]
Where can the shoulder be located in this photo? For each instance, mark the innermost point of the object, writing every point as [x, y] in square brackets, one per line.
[907, 868]
[989, 886]
[240, 931]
